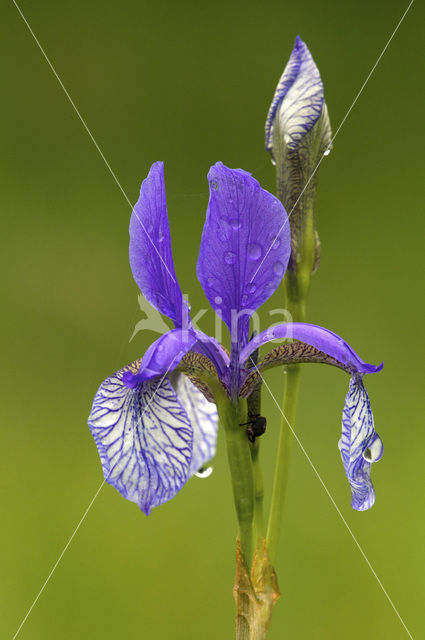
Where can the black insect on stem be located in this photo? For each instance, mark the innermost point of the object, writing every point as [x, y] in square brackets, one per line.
[256, 424]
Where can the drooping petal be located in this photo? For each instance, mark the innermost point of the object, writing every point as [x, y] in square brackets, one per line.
[360, 445]
[151, 258]
[144, 438]
[298, 99]
[203, 417]
[162, 356]
[244, 249]
[320, 338]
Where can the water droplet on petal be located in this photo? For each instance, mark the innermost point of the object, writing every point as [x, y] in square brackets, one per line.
[230, 257]
[275, 242]
[149, 227]
[251, 287]
[374, 451]
[204, 472]
[244, 299]
[254, 251]
[210, 281]
[160, 236]
[235, 224]
[218, 299]
[278, 268]
[224, 230]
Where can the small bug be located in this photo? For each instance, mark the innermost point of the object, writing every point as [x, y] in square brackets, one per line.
[255, 427]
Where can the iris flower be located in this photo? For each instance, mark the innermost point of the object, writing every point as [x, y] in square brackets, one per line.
[155, 421]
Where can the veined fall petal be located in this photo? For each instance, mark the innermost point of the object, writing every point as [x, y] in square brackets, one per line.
[203, 418]
[144, 438]
[360, 445]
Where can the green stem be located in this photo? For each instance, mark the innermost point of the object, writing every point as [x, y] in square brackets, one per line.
[232, 415]
[292, 380]
[296, 289]
[259, 491]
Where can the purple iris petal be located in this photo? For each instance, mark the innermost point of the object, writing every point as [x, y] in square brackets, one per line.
[236, 267]
[318, 337]
[203, 417]
[162, 356]
[360, 445]
[151, 258]
[298, 99]
[211, 348]
[144, 438]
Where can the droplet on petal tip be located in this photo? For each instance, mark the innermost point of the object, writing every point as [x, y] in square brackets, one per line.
[204, 472]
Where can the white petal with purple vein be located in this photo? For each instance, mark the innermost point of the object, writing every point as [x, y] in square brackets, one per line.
[144, 438]
[203, 417]
[360, 445]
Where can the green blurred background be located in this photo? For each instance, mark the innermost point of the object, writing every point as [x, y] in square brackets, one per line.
[190, 83]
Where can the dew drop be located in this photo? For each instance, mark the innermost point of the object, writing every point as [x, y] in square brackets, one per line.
[327, 152]
[230, 257]
[149, 227]
[374, 451]
[160, 237]
[244, 299]
[235, 224]
[218, 299]
[251, 287]
[278, 268]
[210, 281]
[254, 251]
[224, 230]
[204, 472]
[275, 242]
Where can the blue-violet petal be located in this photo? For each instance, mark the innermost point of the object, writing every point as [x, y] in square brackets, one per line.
[151, 258]
[244, 249]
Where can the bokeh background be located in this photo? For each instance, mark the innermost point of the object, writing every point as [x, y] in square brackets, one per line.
[190, 83]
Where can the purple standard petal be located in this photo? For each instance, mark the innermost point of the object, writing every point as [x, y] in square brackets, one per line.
[298, 100]
[162, 356]
[323, 339]
[203, 417]
[360, 445]
[144, 438]
[235, 267]
[151, 258]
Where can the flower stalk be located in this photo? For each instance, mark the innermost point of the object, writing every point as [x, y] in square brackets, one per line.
[259, 491]
[232, 415]
[298, 133]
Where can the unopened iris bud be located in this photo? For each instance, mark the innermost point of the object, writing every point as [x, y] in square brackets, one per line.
[298, 134]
